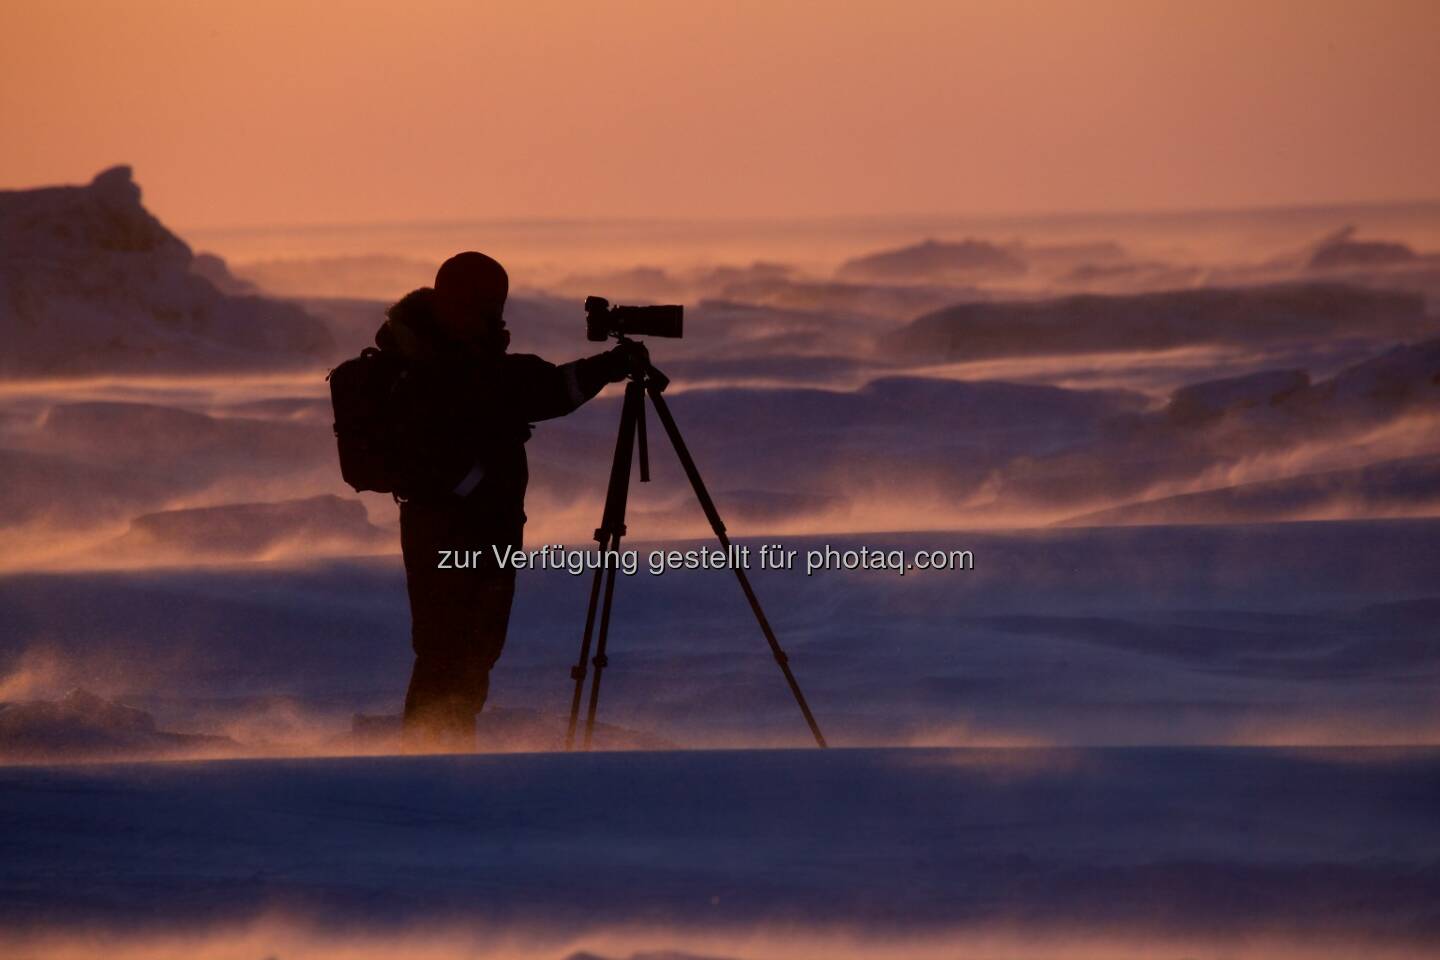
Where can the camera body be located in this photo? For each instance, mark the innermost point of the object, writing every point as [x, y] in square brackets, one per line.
[603, 321]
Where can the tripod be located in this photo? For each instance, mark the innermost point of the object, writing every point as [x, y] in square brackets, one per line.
[650, 381]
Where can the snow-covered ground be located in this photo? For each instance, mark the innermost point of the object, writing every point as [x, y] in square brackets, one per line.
[1234, 848]
[1317, 633]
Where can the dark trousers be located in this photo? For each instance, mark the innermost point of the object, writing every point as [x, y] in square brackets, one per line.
[458, 617]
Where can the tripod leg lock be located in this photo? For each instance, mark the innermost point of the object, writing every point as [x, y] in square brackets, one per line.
[781, 657]
[601, 662]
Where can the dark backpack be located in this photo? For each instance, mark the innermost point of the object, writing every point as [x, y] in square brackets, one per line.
[388, 430]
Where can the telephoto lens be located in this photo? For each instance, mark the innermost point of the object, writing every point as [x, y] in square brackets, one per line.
[603, 321]
[659, 321]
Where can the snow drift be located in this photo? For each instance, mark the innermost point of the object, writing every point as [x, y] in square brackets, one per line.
[1159, 321]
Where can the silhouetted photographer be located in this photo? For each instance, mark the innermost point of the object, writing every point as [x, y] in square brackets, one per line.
[438, 414]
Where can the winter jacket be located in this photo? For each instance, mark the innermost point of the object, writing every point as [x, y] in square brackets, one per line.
[483, 409]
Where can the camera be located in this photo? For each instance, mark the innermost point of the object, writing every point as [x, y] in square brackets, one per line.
[603, 320]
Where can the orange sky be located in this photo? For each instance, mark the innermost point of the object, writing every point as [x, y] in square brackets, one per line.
[238, 112]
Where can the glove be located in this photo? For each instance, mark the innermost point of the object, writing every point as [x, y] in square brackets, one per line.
[626, 358]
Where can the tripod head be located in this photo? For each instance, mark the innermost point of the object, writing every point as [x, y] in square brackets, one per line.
[641, 370]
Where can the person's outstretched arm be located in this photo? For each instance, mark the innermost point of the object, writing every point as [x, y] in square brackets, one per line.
[543, 390]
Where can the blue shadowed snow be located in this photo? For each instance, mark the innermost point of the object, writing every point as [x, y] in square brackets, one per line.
[1151, 839]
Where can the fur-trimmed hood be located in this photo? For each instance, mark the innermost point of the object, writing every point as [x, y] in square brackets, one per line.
[409, 328]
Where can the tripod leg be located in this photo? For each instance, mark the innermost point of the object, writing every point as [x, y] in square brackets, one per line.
[643, 443]
[601, 661]
[693, 473]
[577, 672]
[607, 537]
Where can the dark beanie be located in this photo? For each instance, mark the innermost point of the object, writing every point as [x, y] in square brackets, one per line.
[472, 277]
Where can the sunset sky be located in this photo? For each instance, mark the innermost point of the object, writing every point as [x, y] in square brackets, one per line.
[262, 112]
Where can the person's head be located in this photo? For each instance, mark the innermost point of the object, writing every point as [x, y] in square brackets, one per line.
[470, 291]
